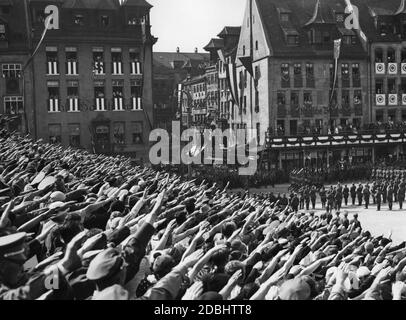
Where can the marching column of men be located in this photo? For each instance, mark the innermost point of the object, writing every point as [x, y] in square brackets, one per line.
[379, 193]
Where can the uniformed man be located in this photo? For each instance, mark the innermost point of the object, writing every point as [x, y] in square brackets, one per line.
[401, 194]
[378, 198]
[353, 192]
[367, 194]
[307, 198]
[15, 284]
[346, 193]
[359, 194]
[389, 195]
[323, 197]
[338, 198]
[313, 197]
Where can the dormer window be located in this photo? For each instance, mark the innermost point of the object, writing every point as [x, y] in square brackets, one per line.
[284, 17]
[293, 40]
[349, 39]
[383, 28]
[105, 21]
[78, 20]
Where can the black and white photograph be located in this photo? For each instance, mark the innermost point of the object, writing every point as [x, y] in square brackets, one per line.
[211, 153]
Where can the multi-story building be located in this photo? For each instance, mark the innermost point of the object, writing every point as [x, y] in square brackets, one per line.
[194, 102]
[230, 36]
[15, 90]
[93, 76]
[170, 69]
[292, 90]
[384, 24]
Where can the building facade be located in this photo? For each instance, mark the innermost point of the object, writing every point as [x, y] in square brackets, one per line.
[170, 69]
[292, 90]
[16, 93]
[384, 23]
[93, 76]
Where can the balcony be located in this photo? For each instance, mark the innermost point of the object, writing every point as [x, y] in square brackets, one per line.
[392, 68]
[53, 105]
[73, 104]
[393, 99]
[380, 99]
[380, 68]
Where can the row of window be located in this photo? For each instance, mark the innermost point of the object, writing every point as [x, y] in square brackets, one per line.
[135, 131]
[99, 64]
[391, 86]
[349, 72]
[104, 20]
[390, 55]
[295, 98]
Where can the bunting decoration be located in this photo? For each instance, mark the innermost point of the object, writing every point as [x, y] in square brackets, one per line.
[337, 51]
[247, 63]
[232, 82]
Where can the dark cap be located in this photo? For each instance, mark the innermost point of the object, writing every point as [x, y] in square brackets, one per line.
[105, 264]
[12, 245]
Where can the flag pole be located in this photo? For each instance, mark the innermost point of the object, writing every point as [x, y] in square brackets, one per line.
[337, 48]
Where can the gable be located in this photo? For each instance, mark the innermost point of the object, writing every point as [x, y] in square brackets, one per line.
[259, 35]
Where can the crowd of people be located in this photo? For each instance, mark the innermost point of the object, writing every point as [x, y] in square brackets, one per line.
[77, 226]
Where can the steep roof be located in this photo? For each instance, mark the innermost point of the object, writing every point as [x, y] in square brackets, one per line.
[163, 61]
[303, 15]
[387, 8]
[91, 4]
[214, 44]
[136, 3]
[229, 31]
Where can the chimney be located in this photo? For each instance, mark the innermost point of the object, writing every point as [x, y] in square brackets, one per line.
[196, 51]
[177, 50]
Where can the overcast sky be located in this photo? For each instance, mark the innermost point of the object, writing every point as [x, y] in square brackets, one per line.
[192, 23]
